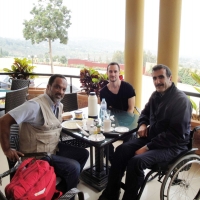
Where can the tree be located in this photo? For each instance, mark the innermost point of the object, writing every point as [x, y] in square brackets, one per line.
[118, 57]
[63, 59]
[50, 22]
[148, 57]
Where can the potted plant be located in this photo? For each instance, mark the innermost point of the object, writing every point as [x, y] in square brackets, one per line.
[20, 68]
[91, 81]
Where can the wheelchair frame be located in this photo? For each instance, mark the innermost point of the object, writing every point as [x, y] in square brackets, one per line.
[176, 177]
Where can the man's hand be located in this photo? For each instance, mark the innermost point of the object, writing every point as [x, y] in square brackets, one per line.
[13, 155]
[141, 150]
[142, 131]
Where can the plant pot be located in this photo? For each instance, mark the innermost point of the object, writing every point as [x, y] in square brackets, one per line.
[196, 136]
[194, 123]
[34, 92]
[196, 141]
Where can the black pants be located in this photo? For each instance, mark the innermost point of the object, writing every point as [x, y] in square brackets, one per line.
[111, 146]
[68, 163]
[125, 159]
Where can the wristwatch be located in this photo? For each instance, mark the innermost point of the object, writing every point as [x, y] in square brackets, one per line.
[146, 147]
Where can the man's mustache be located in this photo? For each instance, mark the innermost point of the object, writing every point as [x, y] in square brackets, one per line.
[159, 85]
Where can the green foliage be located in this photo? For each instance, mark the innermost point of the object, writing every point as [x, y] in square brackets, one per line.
[63, 59]
[3, 53]
[118, 57]
[196, 78]
[23, 66]
[148, 57]
[194, 105]
[92, 80]
[185, 76]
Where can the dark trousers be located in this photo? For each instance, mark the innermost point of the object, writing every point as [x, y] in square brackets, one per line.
[125, 159]
[68, 163]
[111, 146]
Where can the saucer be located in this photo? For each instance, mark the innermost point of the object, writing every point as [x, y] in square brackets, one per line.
[111, 129]
[121, 129]
[96, 137]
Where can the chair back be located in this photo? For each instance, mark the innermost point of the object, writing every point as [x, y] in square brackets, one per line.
[15, 98]
[19, 83]
[70, 102]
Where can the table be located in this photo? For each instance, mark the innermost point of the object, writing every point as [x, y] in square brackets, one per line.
[97, 174]
[3, 93]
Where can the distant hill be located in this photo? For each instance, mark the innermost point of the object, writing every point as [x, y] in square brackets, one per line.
[76, 48]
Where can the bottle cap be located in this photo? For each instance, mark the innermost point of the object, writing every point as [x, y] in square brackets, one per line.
[92, 93]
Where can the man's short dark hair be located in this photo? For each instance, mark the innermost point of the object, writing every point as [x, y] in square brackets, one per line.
[113, 63]
[161, 66]
[53, 77]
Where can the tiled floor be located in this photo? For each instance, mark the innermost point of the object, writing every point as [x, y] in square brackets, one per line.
[151, 191]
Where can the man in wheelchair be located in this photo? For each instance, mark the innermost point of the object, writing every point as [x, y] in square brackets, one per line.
[163, 134]
[40, 126]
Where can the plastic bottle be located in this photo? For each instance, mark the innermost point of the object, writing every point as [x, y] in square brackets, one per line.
[103, 108]
[92, 105]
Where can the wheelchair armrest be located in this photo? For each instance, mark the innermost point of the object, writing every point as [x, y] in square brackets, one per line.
[10, 171]
[71, 193]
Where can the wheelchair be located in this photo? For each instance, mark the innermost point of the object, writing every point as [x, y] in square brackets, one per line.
[180, 179]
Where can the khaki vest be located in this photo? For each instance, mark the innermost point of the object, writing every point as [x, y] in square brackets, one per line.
[44, 138]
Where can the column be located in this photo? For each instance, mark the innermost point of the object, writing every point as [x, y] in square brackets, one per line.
[169, 35]
[133, 54]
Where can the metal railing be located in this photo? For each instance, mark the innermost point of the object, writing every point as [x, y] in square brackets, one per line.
[42, 74]
[193, 94]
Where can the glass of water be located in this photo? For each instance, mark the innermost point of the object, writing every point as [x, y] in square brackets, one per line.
[113, 126]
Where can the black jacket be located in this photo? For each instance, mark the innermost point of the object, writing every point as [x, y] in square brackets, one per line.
[169, 119]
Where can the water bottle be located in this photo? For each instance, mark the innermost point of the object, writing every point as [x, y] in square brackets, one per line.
[92, 105]
[103, 109]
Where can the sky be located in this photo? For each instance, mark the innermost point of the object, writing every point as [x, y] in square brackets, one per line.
[106, 19]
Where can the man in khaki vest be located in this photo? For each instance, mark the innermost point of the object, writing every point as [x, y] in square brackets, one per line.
[40, 126]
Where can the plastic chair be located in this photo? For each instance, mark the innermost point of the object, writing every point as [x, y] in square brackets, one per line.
[14, 98]
[70, 102]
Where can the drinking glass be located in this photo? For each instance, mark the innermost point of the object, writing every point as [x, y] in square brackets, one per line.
[108, 113]
[113, 125]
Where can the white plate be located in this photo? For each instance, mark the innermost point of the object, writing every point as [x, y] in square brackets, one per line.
[71, 124]
[121, 129]
[111, 129]
[97, 137]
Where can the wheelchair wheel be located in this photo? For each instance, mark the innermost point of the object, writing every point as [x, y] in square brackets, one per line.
[182, 180]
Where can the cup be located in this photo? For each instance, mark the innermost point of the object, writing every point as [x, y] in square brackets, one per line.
[89, 122]
[84, 124]
[106, 125]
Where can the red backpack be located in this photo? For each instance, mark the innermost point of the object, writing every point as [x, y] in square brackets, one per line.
[34, 179]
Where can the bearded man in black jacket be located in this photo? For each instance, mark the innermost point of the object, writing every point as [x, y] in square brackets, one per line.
[164, 132]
